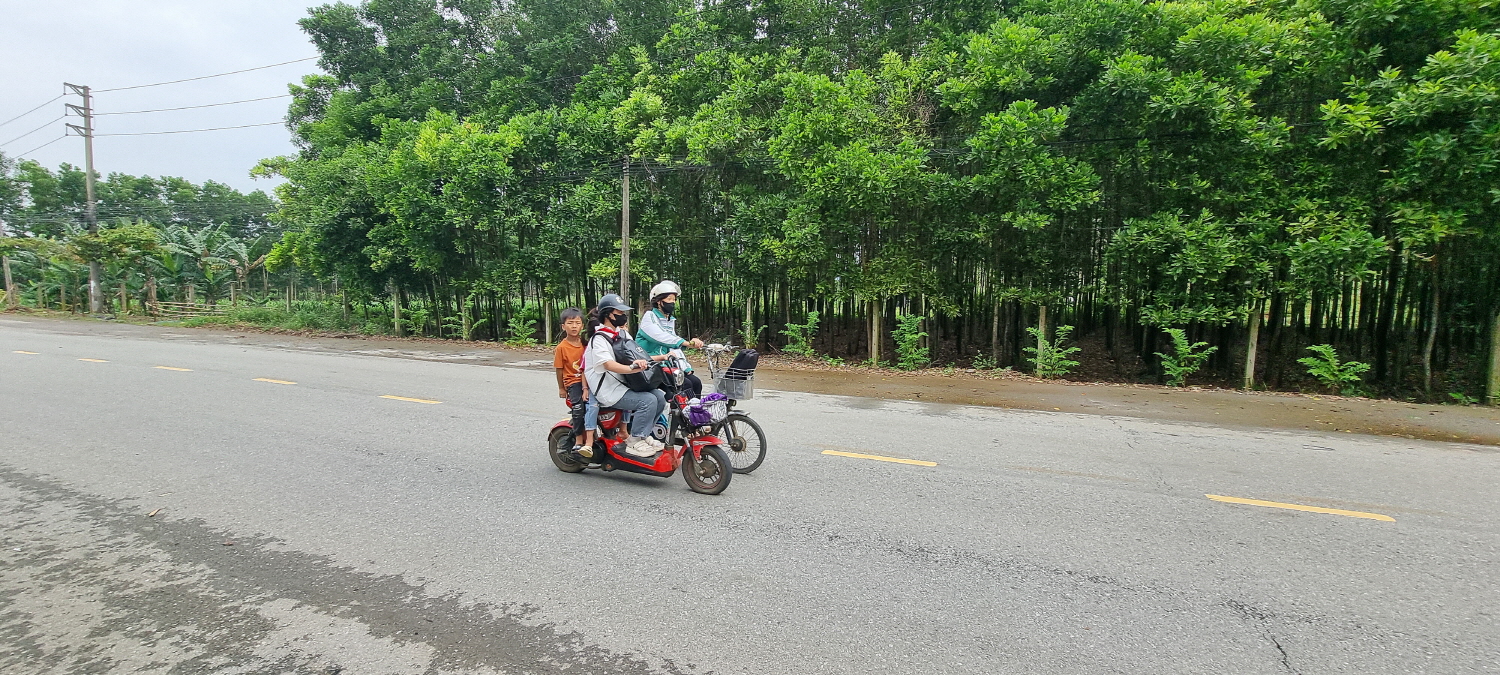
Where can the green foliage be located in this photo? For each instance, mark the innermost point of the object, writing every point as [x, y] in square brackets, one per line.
[1343, 377]
[985, 362]
[113, 243]
[1186, 358]
[1460, 398]
[1050, 357]
[1152, 163]
[305, 316]
[522, 330]
[911, 354]
[749, 334]
[799, 337]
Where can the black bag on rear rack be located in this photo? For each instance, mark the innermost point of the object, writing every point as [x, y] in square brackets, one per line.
[744, 363]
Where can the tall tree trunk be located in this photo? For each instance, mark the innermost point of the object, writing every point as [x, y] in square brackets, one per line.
[1432, 330]
[874, 332]
[124, 299]
[1041, 337]
[11, 300]
[749, 325]
[1252, 344]
[995, 330]
[396, 303]
[1492, 388]
[546, 324]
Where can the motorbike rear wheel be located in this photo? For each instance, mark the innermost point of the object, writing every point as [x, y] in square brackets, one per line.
[710, 473]
[560, 446]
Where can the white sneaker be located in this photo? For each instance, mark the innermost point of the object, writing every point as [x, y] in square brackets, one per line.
[656, 444]
[640, 447]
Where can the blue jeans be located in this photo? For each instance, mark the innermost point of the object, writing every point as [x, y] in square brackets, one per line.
[644, 407]
[591, 414]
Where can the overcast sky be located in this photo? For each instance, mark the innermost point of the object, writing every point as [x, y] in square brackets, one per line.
[121, 43]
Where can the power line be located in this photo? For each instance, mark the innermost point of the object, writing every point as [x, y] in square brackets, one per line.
[39, 147]
[28, 112]
[194, 131]
[192, 107]
[205, 77]
[44, 126]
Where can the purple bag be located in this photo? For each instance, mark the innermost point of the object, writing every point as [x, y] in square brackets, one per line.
[708, 410]
[699, 416]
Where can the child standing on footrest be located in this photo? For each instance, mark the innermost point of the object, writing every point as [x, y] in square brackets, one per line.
[567, 360]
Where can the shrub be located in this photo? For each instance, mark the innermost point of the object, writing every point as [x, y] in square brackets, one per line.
[799, 337]
[1460, 398]
[985, 362]
[1050, 357]
[1342, 377]
[522, 329]
[910, 354]
[750, 334]
[1186, 358]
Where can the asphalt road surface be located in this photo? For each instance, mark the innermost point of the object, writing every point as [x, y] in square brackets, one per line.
[175, 505]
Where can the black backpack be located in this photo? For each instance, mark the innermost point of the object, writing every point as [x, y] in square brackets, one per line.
[627, 352]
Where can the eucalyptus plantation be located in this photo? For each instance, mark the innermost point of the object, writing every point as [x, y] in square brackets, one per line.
[1261, 176]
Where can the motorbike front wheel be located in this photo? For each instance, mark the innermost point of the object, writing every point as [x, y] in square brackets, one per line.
[746, 443]
[709, 474]
[560, 446]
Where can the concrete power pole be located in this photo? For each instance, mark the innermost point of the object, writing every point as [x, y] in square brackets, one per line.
[625, 231]
[96, 298]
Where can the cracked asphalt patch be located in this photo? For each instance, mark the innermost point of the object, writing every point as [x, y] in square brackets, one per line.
[93, 586]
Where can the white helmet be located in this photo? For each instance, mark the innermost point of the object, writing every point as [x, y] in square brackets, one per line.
[664, 287]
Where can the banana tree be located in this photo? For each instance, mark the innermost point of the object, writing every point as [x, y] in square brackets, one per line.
[204, 258]
[242, 261]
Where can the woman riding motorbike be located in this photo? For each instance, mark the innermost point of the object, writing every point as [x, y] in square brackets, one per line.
[658, 333]
[606, 382]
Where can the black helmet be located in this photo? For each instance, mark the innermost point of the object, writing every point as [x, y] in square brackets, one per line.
[613, 301]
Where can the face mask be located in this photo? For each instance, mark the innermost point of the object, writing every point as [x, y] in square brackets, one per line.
[668, 307]
[617, 320]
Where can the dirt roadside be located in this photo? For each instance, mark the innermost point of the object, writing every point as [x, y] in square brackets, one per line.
[1459, 424]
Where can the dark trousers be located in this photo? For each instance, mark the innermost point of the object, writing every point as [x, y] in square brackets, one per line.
[692, 385]
[576, 406]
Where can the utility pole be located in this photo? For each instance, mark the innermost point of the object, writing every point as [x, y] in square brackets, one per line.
[96, 298]
[625, 231]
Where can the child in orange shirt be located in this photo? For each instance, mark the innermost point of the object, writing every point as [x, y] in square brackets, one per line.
[566, 360]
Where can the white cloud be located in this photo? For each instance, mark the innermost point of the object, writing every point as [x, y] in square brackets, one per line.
[107, 44]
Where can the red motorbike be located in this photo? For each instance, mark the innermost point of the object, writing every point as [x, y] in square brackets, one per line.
[692, 448]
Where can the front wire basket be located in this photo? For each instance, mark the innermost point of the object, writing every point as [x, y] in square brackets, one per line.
[707, 413]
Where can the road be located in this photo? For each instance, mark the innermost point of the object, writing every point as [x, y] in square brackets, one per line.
[172, 504]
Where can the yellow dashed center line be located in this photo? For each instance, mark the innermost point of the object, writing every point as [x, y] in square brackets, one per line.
[413, 400]
[31, 353]
[180, 370]
[1300, 507]
[879, 458]
[94, 360]
[263, 379]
